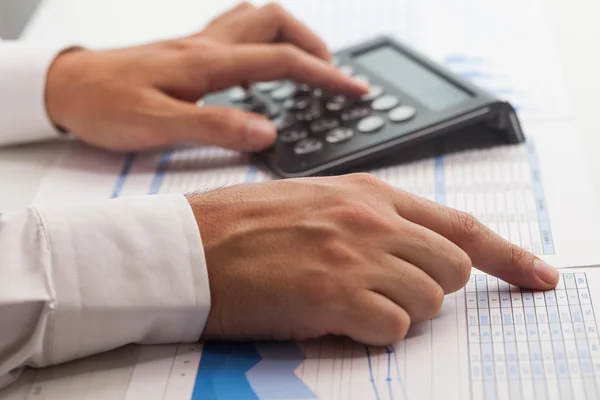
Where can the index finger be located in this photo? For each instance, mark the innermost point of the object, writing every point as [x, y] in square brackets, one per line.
[264, 62]
[489, 252]
[271, 23]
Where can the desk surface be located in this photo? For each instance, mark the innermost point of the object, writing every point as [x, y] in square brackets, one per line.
[109, 23]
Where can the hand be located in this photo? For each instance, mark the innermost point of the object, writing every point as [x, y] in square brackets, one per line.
[144, 97]
[302, 258]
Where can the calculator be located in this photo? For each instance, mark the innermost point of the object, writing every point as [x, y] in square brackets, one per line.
[411, 99]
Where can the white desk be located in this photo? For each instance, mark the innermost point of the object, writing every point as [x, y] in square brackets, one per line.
[108, 23]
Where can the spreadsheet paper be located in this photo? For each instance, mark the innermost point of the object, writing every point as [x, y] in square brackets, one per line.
[491, 340]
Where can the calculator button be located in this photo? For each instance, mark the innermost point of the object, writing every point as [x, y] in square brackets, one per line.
[297, 104]
[336, 103]
[267, 86]
[346, 70]
[370, 124]
[237, 94]
[282, 93]
[385, 102]
[374, 92]
[253, 104]
[402, 113]
[308, 146]
[354, 113]
[269, 110]
[304, 89]
[362, 78]
[310, 113]
[323, 124]
[317, 93]
[339, 135]
[293, 135]
[284, 122]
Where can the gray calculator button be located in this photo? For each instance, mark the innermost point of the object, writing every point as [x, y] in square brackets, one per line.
[374, 92]
[304, 89]
[339, 135]
[323, 124]
[385, 102]
[336, 103]
[269, 111]
[346, 70]
[308, 146]
[284, 121]
[238, 94]
[293, 135]
[310, 113]
[317, 93]
[402, 113]
[282, 93]
[267, 86]
[362, 78]
[356, 112]
[370, 124]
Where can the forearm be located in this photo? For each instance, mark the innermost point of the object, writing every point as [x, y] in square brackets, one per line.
[90, 278]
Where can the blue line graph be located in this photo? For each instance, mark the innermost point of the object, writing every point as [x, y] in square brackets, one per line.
[389, 367]
[161, 170]
[398, 377]
[368, 352]
[127, 164]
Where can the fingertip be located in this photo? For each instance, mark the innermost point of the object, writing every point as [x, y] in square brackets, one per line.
[260, 133]
[546, 273]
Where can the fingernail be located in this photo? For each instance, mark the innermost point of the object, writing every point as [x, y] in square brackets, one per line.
[260, 133]
[545, 271]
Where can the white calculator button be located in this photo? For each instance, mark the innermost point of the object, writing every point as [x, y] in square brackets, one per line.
[385, 102]
[374, 92]
[308, 146]
[339, 135]
[238, 94]
[267, 86]
[282, 93]
[402, 113]
[293, 135]
[370, 124]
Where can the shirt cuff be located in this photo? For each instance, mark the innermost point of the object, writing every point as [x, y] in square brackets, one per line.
[129, 270]
[23, 72]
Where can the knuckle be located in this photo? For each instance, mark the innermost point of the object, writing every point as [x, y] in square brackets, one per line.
[430, 303]
[361, 216]
[399, 323]
[365, 181]
[288, 52]
[462, 265]
[519, 256]
[274, 8]
[468, 225]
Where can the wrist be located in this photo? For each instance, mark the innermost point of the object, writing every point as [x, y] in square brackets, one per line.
[58, 83]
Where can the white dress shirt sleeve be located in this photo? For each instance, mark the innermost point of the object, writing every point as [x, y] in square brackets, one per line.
[90, 278]
[23, 70]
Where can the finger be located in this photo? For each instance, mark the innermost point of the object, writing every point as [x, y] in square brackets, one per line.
[376, 320]
[409, 287]
[228, 15]
[270, 23]
[219, 126]
[438, 257]
[257, 63]
[488, 251]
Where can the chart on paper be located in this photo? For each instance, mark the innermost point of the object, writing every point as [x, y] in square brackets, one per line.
[490, 341]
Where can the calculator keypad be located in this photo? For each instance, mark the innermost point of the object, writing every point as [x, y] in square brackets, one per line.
[309, 120]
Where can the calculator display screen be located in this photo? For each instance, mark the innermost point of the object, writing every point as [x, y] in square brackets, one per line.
[418, 81]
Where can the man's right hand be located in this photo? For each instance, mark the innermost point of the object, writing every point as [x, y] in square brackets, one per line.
[302, 258]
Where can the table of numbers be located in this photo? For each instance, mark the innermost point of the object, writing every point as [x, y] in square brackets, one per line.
[532, 345]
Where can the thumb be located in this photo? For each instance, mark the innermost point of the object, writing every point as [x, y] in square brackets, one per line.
[220, 126]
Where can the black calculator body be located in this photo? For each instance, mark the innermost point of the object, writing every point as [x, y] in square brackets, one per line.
[411, 100]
